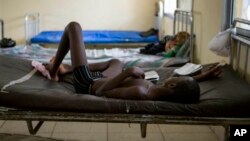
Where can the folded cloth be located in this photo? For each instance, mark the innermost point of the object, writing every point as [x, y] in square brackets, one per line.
[41, 68]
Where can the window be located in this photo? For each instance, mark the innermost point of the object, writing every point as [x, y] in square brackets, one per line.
[235, 9]
[242, 10]
[248, 12]
[169, 7]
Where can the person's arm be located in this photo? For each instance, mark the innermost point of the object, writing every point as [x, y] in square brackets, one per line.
[117, 80]
[132, 93]
[213, 72]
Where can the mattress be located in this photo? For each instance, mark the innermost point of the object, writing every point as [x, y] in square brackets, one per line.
[128, 56]
[227, 96]
[96, 37]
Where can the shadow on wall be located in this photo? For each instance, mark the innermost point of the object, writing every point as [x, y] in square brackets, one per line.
[198, 40]
[15, 25]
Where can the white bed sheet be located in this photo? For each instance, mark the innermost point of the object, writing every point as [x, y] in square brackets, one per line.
[129, 56]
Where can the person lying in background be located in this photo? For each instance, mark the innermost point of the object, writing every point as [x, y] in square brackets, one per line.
[108, 79]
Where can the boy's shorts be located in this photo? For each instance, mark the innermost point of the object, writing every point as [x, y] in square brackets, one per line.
[84, 79]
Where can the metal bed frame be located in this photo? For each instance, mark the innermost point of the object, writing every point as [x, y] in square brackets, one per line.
[183, 21]
[32, 28]
[142, 119]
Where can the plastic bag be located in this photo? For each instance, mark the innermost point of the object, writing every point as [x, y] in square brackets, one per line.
[220, 44]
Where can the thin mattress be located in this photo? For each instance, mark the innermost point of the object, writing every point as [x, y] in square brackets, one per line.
[227, 96]
[96, 37]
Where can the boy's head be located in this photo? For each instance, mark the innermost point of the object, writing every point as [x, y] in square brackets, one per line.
[181, 90]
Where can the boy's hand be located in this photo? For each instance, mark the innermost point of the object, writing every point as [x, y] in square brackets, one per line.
[213, 71]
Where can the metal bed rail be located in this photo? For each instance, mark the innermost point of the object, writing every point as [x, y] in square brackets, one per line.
[142, 119]
[238, 44]
[183, 21]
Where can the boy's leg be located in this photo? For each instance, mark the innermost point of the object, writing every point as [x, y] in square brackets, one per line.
[115, 67]
[109, 69]
[71, 39]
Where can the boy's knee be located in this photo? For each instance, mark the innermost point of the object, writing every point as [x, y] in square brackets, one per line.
[73, 25]
[115, 61]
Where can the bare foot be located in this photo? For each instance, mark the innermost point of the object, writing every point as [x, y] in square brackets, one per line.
[63, 68]
[54, 77]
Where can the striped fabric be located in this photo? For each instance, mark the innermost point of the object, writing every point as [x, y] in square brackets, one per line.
[83, 79]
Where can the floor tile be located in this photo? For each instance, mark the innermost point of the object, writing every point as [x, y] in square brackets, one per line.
[46, 135]
[47, 127]
[1, 123]
[131, 128]
[219, 131]
[134, 137]
[190, 137]
[123, 128]
[18, 127]
[80, 127]
[168, 128]
[81, 136]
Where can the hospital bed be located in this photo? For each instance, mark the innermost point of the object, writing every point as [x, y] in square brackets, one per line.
[223, 100]
[100, 38]
[117, 38]
[183, 21]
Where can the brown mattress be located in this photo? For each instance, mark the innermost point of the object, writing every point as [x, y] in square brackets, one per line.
[227, 96]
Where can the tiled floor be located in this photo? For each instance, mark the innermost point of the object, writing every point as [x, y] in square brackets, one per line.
[113, 131]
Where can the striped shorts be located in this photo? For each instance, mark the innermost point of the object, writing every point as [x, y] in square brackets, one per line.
[84, 79]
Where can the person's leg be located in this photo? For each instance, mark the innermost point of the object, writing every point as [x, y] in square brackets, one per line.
[115, 67]
[71, 40]
[109, 69]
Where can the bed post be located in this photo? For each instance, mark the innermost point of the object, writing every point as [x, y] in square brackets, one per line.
[227, 132]
[184, 21]
[143, 129]
[33, 130]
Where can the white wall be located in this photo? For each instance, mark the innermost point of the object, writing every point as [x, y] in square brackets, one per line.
[1, 5]
[1, 14]
[207, 23]
[91, 14]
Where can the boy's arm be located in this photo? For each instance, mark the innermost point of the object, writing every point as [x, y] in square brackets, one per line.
[132, 93]
[117, 80]
[213, 72]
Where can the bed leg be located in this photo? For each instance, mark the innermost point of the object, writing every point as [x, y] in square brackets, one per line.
[227, 132]
[33, 130]
[143, 129]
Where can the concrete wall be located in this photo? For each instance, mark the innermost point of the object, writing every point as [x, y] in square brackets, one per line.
[1, 8]
[207, 17]
[1, 14]
[91, 14]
